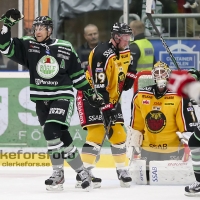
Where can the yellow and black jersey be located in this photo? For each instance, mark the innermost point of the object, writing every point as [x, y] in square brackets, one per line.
[109, 69]
[158, 119]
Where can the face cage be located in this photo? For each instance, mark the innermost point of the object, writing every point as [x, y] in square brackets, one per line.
[161, 78]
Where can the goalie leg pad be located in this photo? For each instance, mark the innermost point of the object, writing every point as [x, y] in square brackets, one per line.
[171, 172]
[134, 137]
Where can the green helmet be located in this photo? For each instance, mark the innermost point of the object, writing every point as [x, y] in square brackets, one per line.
[195, 73]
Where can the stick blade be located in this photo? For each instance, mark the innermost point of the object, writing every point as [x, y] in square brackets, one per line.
[148, 6]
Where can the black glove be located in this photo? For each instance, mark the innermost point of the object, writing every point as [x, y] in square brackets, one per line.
[109, 113]
[130, 77]
[93, 99]
[11, 17]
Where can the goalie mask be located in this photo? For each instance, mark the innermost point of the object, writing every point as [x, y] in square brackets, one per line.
[160, 74]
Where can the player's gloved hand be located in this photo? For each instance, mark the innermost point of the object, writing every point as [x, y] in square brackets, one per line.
[109, 113]
[93, 99]
[11, 17]
[182, 138]
[130, 77]
[178, 82]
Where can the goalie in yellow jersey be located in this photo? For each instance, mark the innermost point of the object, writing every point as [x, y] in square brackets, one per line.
[157, 114]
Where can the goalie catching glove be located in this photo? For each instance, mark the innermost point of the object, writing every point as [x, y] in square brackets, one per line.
[94, 99]
[11, 17]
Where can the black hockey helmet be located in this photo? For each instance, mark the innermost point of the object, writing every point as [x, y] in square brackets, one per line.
[195, 73]
[120, 28]
[43, 20]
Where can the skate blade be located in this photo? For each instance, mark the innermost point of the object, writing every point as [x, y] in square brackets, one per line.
[125, 185]
[89, 188]
[192, 194]
[78, 184]
[95, 185]
[58, 187]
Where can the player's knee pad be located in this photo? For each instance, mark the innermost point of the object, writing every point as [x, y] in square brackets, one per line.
[118, 149]
[91, 148]
[118, 134]
[95, 134]
[52, 131]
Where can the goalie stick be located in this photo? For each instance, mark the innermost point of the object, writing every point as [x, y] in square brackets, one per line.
[148, 13]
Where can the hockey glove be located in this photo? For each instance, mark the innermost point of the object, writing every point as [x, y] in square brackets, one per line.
[93, 99]
[178, 82]
[130, 77]
[11, 17]
[109, 114]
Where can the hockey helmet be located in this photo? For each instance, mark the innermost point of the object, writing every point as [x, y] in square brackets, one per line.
[120, 29]
[43, 21]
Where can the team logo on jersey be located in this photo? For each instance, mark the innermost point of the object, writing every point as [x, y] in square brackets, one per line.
[47, 67]
[155, 121]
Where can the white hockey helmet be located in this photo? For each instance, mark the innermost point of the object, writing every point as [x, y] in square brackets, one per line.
[160, 74]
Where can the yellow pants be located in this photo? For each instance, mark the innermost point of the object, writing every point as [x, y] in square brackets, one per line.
[96, 135]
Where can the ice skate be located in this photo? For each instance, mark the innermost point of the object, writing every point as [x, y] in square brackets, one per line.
[124, 177]
[86, 179]
[193, 190]
[95, 181]
[56, 180]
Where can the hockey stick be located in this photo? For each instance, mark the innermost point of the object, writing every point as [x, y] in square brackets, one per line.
[148, 13]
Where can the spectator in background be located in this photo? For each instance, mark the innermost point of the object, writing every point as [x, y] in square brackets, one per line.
[91, 35]
[179, 6]
[141, 49]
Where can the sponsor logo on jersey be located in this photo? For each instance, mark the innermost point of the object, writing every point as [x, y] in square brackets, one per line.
[146, 102]
[93, 118]
[63, 52]
[158, 146]
[147, 96]
[42, 82]
[47, 67]
[157, 103]
[169, 104]
[33, 46]
[57, 111]
[99, 70]
[108, 52]
[169, 97]
[33, 51]
[59, 55]
[190, 109]
[155, 121]
[99, 64]
[156, 108]
[80, 108]
[68, 49]
[99, 85]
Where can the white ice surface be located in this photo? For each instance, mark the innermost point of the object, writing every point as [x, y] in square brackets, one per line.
[21, 183]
